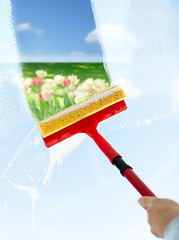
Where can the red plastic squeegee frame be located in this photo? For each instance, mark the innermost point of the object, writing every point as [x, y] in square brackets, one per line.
[89, 125]
[84, 125]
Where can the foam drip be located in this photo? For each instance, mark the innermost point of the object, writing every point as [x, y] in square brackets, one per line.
[33, 193]
[59, 151]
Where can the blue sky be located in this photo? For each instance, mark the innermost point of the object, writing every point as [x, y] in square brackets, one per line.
[58, 28]
[62, 30]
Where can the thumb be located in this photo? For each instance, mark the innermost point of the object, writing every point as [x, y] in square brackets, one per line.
[145, 202]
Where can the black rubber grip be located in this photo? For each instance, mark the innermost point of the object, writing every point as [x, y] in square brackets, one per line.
[120, 164]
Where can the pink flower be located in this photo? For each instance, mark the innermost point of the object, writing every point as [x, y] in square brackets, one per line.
[27, 89]
[45, 95]
[66, 82]
[37, 82]
[91, 90]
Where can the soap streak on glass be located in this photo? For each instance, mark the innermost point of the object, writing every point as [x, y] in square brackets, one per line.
[33, 193]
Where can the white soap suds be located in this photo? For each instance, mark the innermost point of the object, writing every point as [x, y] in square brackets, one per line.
[36, 140]
[30, 177]
[25, 144]
[148, 121]
[131, 91]
[141, 59]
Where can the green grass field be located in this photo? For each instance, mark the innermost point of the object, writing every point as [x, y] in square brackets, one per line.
[82, 70]
[43, 109]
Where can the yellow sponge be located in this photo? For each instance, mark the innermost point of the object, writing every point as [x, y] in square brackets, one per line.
[79, 111]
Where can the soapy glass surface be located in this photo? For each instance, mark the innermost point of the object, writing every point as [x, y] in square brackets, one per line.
[140, 56]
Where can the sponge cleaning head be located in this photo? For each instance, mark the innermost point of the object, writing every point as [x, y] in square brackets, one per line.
[79, 111]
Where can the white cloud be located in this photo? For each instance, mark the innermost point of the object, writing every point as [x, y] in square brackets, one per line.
[39, 51]
[77, 54]
[24, 27]
[38, 31]
[27, 27]
[92, 37]
[130, 90]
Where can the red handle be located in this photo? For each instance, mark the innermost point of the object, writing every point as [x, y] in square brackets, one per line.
[105, 147]
[137, 183]
[111, 154]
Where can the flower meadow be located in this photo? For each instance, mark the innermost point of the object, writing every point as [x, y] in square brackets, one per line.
[47, 96]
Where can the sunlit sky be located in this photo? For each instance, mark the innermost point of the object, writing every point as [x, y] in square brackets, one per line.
[62, 30]
[55, 28]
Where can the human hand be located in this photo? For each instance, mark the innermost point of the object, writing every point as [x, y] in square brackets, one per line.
[161, 212]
